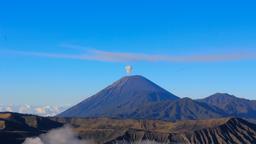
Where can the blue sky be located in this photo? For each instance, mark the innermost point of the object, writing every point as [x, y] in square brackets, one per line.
[58, 53]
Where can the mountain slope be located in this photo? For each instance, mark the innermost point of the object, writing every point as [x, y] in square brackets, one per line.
[182, 109]
[232, 105]
[121, 99]
[224, 131]
[15, 127]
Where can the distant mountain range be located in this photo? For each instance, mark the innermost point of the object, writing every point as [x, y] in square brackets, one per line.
[36, 110]
[231, 105]
[138, 98]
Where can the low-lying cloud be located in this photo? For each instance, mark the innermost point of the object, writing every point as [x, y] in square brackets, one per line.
[64, 135]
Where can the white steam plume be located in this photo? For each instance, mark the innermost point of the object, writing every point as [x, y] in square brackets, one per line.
[128, 69]
[64, 135]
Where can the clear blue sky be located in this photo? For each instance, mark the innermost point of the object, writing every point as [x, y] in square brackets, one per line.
[60, 52]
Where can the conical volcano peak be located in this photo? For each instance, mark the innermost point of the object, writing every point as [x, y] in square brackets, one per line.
[136, 83]
[134, 78]
[121, 98]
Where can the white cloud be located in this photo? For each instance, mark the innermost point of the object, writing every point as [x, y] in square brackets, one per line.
[24, 109]
[36, 110]
[40, 110]
[107, 56]
[9, 109]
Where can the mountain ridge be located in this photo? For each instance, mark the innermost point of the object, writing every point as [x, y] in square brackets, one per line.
[137, 97]
[182, 109]
[232, 105]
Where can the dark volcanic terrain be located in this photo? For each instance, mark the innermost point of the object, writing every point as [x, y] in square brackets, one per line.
[16, 127]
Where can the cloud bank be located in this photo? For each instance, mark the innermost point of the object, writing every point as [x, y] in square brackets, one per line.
[107, 56]
[45, 110]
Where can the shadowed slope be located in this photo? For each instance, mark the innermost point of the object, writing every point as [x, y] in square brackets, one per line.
[232, 105]
[224, 131]
[182, 109]
[121, 99]
[15, 127]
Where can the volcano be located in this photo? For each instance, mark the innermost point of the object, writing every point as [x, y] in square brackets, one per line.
[121, 99]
